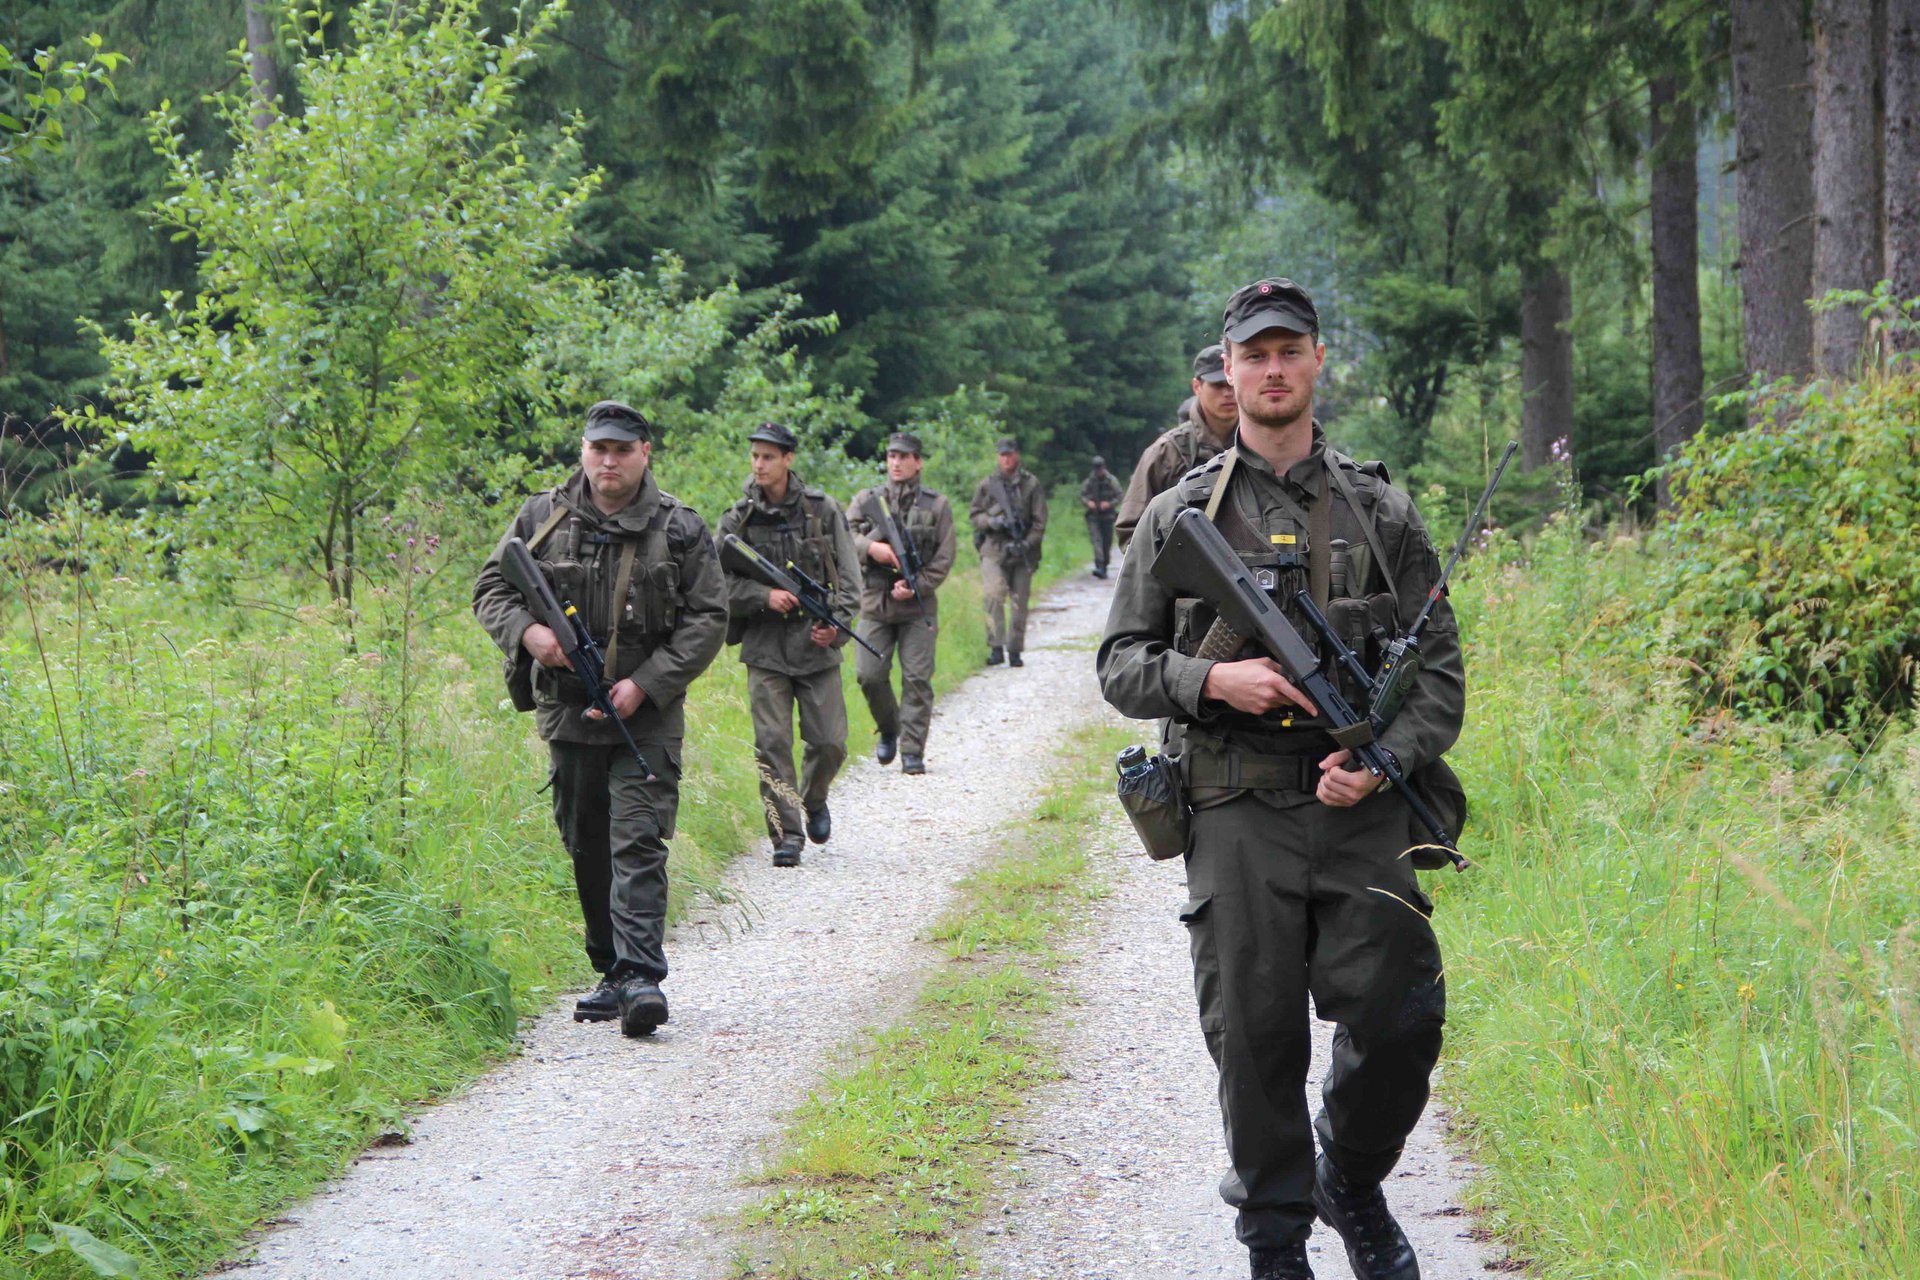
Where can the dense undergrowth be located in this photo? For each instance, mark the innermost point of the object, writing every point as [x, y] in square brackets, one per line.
[1685, 1035]
[268, 879]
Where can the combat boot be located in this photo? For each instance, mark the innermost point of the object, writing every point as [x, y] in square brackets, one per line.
[884, 749]
[819, 824]
[602, 1004]
[911, 763]
[1013, 658]
[994, 656]
[643, 1006]
[787, 852]
[1376, 1246]
[1283, 1262]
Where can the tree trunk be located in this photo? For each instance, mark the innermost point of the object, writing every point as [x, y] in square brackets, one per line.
[1773, 124]
[1546, 361]
[1675, 197]
[1902, 196]
[1846, 175]
[266, 77]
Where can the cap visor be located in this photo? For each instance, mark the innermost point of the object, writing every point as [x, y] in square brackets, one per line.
[1216, 377]
[612, 431]
[1261, 321]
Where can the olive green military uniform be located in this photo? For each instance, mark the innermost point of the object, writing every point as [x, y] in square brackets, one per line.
[1099, 495]
[1178, 450]
[649, 587]
[785, 668]
[1002, 504]
[1289, 897]
[891, 625]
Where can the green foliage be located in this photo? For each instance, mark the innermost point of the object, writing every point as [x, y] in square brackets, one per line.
[1680, 1012]
[373, 268]
[37, 87]
[1789, 580]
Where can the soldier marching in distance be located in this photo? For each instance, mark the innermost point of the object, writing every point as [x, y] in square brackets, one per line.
[1204, 429]
[1100, 496]
[1009, 518]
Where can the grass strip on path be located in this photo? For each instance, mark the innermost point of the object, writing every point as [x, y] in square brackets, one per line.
[891, 1157]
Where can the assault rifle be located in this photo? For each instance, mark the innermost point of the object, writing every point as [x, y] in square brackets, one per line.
[1016, 525]
[1196, 561]
[522, 572]
[905, 553]
[738, 556]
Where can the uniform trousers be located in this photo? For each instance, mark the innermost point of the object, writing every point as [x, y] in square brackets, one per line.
[909, 716]
[1100, 534]
[1299, 899]
[1005, 587]
[616, 823]
[773, 695]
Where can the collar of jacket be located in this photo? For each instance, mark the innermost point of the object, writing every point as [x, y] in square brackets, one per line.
[632, 518]
[757, 497]
[902, 496]
[1302, 475]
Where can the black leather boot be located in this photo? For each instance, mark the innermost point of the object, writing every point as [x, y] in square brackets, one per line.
[884, 750]
[643, 1006]
[602, 1004]
[819, 825]
[1376, 1246]
[1285, 1262]
[994, 656]
[787, 852]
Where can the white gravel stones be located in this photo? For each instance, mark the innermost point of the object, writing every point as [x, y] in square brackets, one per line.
[597, 1156]
[1115, 1168]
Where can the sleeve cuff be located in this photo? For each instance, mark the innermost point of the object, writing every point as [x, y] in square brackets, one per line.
[1405, 749]
[517, 625]
[1189, 676]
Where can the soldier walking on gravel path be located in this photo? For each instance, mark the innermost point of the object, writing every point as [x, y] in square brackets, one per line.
[792, 659]
[1100, 495]
[899, 610]
[1298, 879]
[1205, 427]
[641, 569]
[1009, 518]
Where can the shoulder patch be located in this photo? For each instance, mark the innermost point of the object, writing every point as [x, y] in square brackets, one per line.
[1377, 469]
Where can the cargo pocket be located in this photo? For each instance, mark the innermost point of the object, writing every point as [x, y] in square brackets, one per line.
[1206, 962]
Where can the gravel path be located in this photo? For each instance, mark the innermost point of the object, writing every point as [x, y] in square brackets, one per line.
[595, 1156]
[1117, 1165]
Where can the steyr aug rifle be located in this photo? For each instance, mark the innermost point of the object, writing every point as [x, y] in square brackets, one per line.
[905, 553]
[559, 616]
[738, 556]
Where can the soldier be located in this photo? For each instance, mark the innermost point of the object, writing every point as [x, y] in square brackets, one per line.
[1098, 494]
[643, 572]
[1204, 429]
[896, 614]
[1296, 876]
[790, 658]
[1009, 517]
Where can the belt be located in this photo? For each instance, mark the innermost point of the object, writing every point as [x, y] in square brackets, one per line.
[1245, 771]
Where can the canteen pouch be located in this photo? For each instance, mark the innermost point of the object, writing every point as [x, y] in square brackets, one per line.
[1440, 787]
[1156, 804]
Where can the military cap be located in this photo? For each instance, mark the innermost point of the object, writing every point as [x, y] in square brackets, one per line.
[1099, 461]
[1008, 445]
[1210, 364]
[904, 442]
[1272, 303]
[611, 420]
[776, 435]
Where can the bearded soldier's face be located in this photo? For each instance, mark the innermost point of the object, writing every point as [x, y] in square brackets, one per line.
[1273, 375]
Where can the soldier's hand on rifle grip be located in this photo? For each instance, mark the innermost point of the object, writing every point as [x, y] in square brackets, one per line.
[881, 552]
[1255, 685]
[822, 635]
[627, 697]
[782, 601]
[901, 591]
[1343, 783]
[545, 647]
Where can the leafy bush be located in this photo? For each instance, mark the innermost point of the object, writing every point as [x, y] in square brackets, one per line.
[1789, 575]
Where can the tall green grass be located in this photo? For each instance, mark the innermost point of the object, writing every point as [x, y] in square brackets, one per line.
[1684, 1032]
[269, 879]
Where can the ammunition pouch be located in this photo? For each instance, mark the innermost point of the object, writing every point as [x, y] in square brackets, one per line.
[1156, 804]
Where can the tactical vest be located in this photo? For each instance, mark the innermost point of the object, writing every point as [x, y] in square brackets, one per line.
[808, 543]
[625, 585]
[1289, 549]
